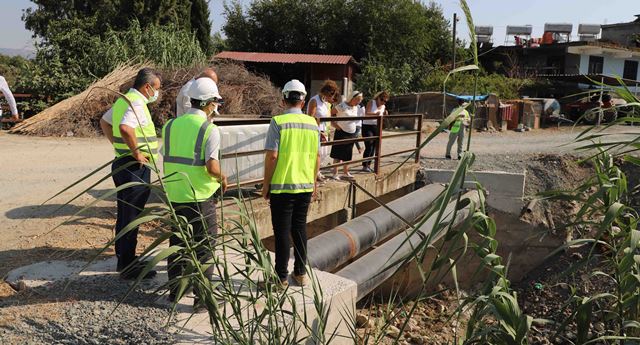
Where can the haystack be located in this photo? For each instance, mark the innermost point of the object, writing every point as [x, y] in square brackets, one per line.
[245, 94]
[80, 115]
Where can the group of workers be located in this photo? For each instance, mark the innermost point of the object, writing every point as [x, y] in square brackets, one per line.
[190, 150]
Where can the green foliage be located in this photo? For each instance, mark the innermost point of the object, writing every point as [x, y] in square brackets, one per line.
[12, 66]
[201, 25]
[504, 87]
[397, 41]
[99, 17]
[81, 40]
[73, 58]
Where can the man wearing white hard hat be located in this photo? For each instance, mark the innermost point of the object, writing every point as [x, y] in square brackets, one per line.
[290, 166]
[192, 176]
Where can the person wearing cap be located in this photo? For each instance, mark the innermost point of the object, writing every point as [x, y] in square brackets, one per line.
[345, 130]
[129, 128]
[290, 167]
[375, 107]
[192, 169]
[183, 101]
[456, 129]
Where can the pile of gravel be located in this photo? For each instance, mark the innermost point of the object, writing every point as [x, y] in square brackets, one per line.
[86, 313]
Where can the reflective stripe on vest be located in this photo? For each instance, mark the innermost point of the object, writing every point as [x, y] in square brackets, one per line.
[297, 154]
[148, 145]
[184, 159]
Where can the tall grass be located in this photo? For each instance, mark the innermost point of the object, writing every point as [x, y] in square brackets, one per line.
[609, 212]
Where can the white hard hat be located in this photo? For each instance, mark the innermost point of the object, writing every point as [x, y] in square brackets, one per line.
[204, 89]
[294, 85]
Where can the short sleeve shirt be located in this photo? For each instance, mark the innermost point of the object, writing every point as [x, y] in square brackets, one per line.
[129, 118]
[343, 110]
[273, 133]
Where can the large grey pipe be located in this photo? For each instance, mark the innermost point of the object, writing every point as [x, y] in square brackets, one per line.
[381, 263]
[337, 246]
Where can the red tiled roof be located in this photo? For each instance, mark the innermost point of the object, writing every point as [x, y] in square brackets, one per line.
[285, 58]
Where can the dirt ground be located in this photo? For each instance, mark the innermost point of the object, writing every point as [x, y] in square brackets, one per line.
[35, 169]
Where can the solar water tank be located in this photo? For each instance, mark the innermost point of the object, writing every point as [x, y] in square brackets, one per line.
[561, 28]
[519, 30]
[588, 29]
[486, 30]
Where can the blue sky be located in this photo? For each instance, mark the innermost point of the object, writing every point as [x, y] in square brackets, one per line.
[498, 13]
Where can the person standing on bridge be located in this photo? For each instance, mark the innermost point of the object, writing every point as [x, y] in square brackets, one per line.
[193, 175]
[132, 133]
[183, 101]
[320, 107]
[375, 107]
[456, 129]
[345, 130]
[291, 164]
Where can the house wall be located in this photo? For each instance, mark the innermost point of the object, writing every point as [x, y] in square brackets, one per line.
[621, 33]
[611, 66]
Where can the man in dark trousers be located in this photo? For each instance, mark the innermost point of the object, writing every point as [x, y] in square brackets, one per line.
[193, 175]
[131, 131]
[291, 165]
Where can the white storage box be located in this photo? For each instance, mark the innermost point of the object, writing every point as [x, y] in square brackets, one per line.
[244, 138]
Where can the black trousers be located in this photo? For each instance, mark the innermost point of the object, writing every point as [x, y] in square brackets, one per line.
[369, 145]
[131, 201]
[289, 218]
[204, 228]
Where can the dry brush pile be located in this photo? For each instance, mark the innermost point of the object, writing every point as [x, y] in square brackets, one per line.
[244, 92]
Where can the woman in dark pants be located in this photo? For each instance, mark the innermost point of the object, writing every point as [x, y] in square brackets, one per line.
[345, 130]
[375, 107]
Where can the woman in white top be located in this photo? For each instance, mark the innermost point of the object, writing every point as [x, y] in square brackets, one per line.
[345, 130]
[320, 106]
[376, 107]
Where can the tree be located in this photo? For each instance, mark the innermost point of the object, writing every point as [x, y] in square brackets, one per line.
[201, 25]
[98, 17]
[399, 35]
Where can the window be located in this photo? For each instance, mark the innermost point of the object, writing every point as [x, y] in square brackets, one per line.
[595, 64]
[630, 70]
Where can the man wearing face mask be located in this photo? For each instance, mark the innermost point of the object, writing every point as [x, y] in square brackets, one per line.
[190, 157]
[130, 130]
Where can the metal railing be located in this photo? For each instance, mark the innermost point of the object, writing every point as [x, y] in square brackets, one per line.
[379, 138]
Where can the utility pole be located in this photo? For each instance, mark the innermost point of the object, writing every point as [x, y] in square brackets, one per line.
[453, 45]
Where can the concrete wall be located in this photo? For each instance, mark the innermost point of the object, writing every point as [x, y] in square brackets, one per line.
[333, 197]
[505, 190]
[620, 33]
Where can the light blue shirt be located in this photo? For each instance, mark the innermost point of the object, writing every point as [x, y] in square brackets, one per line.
[273, 134]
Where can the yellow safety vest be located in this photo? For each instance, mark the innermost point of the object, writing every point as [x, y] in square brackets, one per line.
[297, 154]
[149, 145]
[456, 125]
[186, 176]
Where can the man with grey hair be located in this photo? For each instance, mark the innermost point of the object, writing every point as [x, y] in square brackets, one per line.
[129, 127]
[183, 101]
